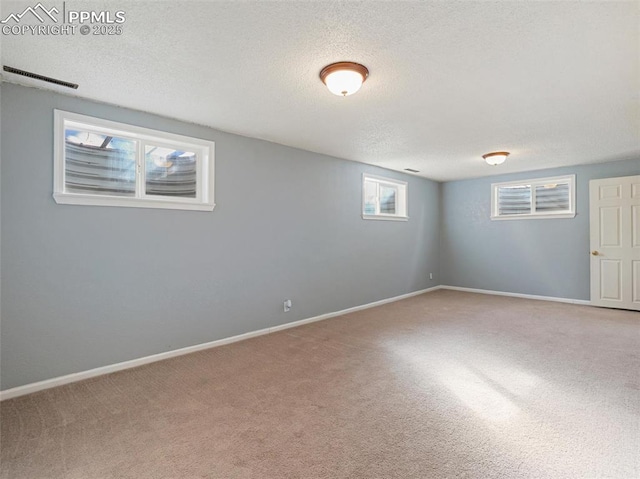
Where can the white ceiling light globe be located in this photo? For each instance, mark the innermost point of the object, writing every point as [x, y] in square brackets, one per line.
[344, 82]
[344, 78]
[496, 158]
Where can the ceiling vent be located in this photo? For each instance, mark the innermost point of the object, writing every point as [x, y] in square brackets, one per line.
[35, 76]
[412, 170]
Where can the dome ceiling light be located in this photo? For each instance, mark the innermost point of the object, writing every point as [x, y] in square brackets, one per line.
[344, 78]
[496, 158]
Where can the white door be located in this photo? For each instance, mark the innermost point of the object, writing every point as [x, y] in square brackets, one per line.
[615, 242]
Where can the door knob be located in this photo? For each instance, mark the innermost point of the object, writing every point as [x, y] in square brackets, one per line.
[595, 253]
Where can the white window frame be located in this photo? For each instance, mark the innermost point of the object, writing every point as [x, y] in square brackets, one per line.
[402, 189]
[204, 149]
[571, 213]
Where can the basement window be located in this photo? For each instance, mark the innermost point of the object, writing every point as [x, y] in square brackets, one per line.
[538, 198]
[383, 198]
[105, 163]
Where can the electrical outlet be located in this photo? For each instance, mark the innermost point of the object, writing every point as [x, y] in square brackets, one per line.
[430, 275]
[287, 305]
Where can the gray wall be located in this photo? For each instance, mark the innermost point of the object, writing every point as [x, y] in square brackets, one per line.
[548, 257]
[84, 287]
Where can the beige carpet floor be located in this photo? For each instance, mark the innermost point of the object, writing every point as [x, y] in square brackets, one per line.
[442, 385]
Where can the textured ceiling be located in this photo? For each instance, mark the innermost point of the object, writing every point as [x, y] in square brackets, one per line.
[554, 83]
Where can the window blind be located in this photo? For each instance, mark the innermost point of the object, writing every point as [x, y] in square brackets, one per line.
[539, 198]
[514, 200]
[554, 197]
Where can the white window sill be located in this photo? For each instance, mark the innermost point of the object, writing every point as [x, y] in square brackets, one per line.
[95, 200]
[385, 218]
[533, 217]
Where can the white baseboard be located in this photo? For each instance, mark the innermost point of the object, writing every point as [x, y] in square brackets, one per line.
[351, 310]
[518, 295]
[72, 378]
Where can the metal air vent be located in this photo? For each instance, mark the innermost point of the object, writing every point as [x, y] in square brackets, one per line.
[36, 76]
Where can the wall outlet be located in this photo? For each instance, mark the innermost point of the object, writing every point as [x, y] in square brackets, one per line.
[287, 305]
[430, 275]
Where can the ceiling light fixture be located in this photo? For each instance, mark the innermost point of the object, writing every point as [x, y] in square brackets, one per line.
[496, 158]
[344, 78]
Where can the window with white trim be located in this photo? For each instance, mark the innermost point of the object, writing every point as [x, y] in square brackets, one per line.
[105, 163]
[383, 198]
[538, 198]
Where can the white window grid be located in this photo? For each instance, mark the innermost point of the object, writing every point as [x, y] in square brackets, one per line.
[204, 149]
[533, 183]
